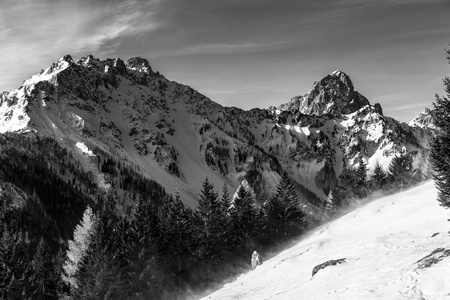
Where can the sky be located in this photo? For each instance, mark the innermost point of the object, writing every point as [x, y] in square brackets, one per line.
[244, 53]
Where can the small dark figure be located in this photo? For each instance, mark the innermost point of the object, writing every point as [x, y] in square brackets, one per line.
[255, 260]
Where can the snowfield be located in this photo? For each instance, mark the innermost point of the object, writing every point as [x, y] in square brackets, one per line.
[382, 243]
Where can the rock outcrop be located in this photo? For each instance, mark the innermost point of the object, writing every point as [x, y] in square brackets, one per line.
[328, 263]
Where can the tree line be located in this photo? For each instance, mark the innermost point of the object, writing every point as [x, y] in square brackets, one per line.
[63, 237]
[354, 183]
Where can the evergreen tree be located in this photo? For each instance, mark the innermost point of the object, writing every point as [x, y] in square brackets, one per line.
[54, 274]
[283, 211]
[15, 268]
[42, 285]
[347, 188]
[361, 172]
[440, 148]
[82, 237]
[14, 265]
[207, 207]
[208, 228]
[147, 273]
[175, 229]
[225, 200]
[378, 177]
[244, 218]
[223, 218]
[400, 170]
[97, 273]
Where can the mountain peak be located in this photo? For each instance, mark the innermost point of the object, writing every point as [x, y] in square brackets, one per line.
[338, 73]
[332, 94]
[340, 80]
[139, 64]
[68, 58]
[424, 120]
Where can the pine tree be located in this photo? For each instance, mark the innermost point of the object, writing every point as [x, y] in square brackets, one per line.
[225, 200]
[243, 219]
[97, 272]
[347, 189]
[361, 172]
[175, 228]
[15, 267]
[54, 275]
[440, 149]
[82, 238]
[378, 177]
[283, 211]
[401, 170]
[208, 226]
[42, 286]
[207, 206]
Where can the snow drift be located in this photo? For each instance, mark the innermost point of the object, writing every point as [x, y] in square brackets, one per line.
[394, 248]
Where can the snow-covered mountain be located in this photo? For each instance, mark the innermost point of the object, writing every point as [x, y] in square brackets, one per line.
[391, 248]
[423, 120]
[178, 137]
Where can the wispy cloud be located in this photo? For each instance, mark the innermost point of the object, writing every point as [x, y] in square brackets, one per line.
[224, 49]
[38, 32]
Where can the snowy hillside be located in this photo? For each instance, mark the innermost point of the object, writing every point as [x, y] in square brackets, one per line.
[386, 245]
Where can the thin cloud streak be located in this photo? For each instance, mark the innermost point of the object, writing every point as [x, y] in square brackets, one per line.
[224, 49]
[46, 30]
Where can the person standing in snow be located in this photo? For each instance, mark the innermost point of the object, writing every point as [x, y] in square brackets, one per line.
[255, 259]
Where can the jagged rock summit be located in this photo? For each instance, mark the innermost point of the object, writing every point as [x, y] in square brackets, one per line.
[424, 119]
[334, 95]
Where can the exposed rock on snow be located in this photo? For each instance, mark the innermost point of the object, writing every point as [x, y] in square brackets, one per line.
[433, 258]
[327, 264]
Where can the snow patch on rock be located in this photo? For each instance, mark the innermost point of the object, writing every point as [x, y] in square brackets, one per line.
[13, 114]
[84, 149]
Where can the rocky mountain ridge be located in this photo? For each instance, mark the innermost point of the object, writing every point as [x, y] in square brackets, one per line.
[178, 137]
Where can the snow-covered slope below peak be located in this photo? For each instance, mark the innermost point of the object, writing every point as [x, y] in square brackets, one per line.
[382, 243]
[424, 120]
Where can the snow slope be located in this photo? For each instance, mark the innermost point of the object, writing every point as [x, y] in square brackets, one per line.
[382, 243]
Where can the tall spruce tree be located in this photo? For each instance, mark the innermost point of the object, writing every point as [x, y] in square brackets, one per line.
[347, 189]
[401, 170]
[82, 238]
[283, 212]
[440, 149]
[97, 273]
[361, 172]
[244, 219]
[208, 225]
[225, 200]
[41, 279]
[361, 178]
[379, 177]
[175, 230]
[15, 269]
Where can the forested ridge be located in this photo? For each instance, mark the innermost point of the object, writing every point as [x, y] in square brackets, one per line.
[65, 237]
